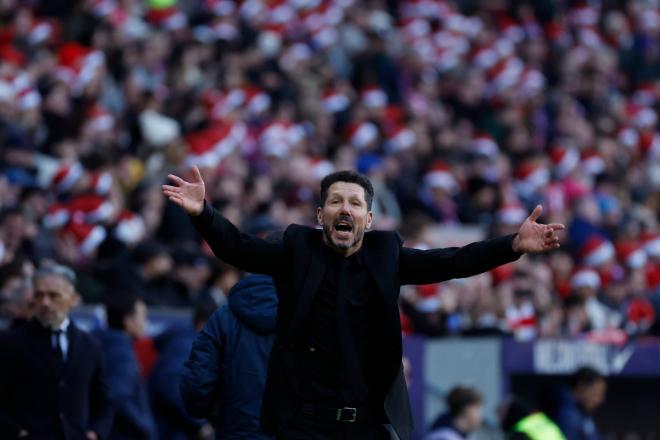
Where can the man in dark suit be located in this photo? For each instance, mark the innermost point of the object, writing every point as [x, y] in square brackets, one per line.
[52, 384]
[335, 368]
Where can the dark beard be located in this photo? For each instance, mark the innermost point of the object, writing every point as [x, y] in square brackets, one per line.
[327, 233]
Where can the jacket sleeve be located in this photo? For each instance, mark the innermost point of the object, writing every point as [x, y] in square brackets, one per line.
[124, 381]
[8, 427]
[101, 409]
[244, 251]
[436, 265]
[201, 377]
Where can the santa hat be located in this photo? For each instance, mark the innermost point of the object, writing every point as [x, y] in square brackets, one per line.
[78, 64]
[592, 162]
[168, 17]
[585, 277]
[66, 176]
[530, 177]
[320, 167]
[91, 209]
[87, 237]
[400, 138]
[207, 147]
[256, 100]
[158, 130]
[646, 94]
[99, 119]
[631, 254]
[651, 243]
[564, 159]
[511, 213]
[628, 137]
[484, 144]
[28, 98]
[373, 97]
[440, 176]
[334, 101]
[101, 182]
[130, 227]
[43, 31]
[641, 311]
[641, 116]
[505, 74]
[57, 216]
[596, 251]
[362, 134]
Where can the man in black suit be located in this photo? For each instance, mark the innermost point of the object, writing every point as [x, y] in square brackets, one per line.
[335, 368]
[52, 384]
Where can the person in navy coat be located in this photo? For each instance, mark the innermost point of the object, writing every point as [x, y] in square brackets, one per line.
[52, 380]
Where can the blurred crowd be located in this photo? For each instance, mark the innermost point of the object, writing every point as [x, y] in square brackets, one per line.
[462, 113]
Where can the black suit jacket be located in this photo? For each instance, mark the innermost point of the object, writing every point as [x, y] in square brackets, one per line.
[296, 263]
[49, 400]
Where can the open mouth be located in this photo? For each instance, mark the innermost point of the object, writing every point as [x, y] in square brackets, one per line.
[343, 227]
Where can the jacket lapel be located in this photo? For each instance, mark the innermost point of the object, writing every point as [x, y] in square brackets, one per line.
[310, 286]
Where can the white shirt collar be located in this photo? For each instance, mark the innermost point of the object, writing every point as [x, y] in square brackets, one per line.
[64, 325]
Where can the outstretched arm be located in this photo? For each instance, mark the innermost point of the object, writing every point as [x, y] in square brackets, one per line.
[244, 251]
[435, 265]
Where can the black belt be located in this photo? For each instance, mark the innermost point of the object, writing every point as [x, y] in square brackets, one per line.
[345, 414]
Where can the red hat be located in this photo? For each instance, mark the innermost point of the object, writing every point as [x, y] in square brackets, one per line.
[484, 144]
[169, 18]
[101, 182]
[9, 54]
[91, 209]
[440, 176]
[596, 251]
[511, 213]
[256, 100]
[334, 101]
[530, 177]
[100, 119]
[646, 94]
[400, 138]
[564, 159]
[207, 147]
[57, 216]
[631, 254]
[361, 134]
[651, 243]
[592, 162]
[373, 97]
[66, 176]
[130, 227]
[87, 237]
[585, 277]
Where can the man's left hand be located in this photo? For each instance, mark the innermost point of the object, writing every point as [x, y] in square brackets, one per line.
[535, 237]
[91, 435]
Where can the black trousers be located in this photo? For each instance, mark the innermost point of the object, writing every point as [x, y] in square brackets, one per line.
[304, 427]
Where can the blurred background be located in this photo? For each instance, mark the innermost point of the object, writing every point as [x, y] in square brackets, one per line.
[464, 114]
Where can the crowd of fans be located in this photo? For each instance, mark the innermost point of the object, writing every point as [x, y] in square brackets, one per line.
[459, 114]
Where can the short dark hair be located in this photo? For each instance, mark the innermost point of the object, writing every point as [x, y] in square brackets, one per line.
[349, 177]
[585, 376]
[118, 306]
[461, 397]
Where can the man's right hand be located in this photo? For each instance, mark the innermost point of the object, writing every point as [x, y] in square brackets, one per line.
[188, 195]
[23, 433]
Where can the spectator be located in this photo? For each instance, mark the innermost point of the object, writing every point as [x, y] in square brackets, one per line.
[224, 377]
[52, 379]
[15, 295]
[463, 417]
[576, 405]
[126, 318]
[174, 347]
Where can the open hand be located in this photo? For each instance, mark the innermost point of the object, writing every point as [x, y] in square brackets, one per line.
[188, 195]
[536, 237]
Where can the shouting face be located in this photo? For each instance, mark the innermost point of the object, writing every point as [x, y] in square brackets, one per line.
[344, 217]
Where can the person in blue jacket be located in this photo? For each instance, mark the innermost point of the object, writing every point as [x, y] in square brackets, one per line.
[173, 347]
[126, 316]
[224, 377]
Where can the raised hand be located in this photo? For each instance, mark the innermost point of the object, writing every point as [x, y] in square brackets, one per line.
[188, 195]
[536, 237]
